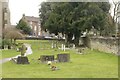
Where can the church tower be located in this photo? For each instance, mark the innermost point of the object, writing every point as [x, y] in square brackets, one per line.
[4, 17]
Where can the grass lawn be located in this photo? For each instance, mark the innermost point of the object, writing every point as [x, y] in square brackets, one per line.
[93, 64]
[9, 53]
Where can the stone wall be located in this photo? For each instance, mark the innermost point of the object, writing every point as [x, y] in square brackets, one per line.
[108, 45]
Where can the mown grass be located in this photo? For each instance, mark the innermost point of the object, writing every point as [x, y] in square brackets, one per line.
[92, 64]
[9, 53]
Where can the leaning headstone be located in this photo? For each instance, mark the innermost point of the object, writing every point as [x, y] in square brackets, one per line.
[63, 57]
[14, 60]
[45, 58]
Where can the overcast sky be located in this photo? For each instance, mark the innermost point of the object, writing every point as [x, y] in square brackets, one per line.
[20, 7]
[27, 7]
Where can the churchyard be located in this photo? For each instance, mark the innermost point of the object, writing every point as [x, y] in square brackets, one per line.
[90, 64]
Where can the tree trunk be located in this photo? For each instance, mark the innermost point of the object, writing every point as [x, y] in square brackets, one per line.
[70, 36]
[76, 40]
[3, 43]
[14, 41]
[66, 38]
[11, 41]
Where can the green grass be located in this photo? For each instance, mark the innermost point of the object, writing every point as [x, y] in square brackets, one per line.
[93, 64]
[9, 53]
[0, 54]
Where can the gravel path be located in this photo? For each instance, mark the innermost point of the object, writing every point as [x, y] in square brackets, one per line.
[28, 52]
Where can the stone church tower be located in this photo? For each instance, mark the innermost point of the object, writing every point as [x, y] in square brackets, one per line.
[4, 15]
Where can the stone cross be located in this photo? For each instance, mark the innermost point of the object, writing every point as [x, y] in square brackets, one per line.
[23, 50]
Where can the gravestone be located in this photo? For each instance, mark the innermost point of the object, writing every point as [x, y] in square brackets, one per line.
[73, 46]
[6, 47]
[63, 57]
[22, 60]
[64, 48]
[80, 50]
[52, 46]
[55, 45]
[23, 50]
[45, 58]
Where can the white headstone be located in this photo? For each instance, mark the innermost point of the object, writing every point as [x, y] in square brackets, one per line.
[73, 46]
[55, 45]
[52, 46]
[6, 47]
[64, 47]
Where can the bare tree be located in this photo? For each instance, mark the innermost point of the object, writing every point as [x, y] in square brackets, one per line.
[13, 34]
[116, 11]
[116, 15]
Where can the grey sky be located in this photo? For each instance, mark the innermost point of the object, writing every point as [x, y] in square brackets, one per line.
[27, 7]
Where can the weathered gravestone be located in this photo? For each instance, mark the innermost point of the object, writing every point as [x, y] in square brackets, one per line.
[73, 46]
[54, 44]
[23, 50]
[22, 60]
[63, 47]
[80, 50]
[63, 57]
[45, 58]
[6, 47]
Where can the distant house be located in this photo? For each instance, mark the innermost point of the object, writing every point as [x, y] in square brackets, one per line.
[34, 23]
